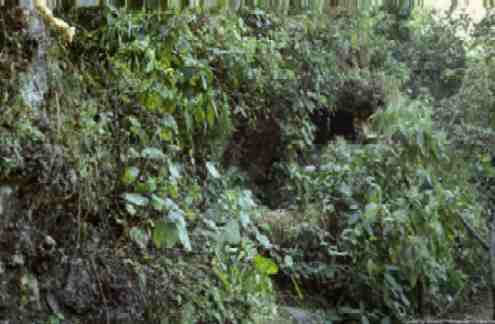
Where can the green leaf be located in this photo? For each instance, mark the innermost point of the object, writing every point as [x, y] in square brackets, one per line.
[130, 175]
[174, 170]
[246, 200]
[371, 267]
[188, 312]
[151, 184]
[139, 236]
[231, 233]
[244, 218]
[169, 122]
[151, 57]
[184, 235]
[141, 188]
[135, 122]
[212, 170]
[265, 266]
[288, 261]
[135, 199]
[210, 115]
[152, 100]
[188, 120]
[170, 204]
[177, 217]
[376, 195]
[263, 240]
[130, 209]
[165, 234]
[166, 135]
[345, 190]
[152, 153]
[371, 211]
[158, 203]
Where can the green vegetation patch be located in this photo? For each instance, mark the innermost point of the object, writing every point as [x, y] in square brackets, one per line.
[161, 137]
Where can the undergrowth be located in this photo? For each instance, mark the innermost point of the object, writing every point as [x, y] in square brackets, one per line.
[170, 134]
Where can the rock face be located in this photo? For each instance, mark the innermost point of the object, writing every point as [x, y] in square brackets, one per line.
[41, 270]
[34, 82]
[79, 293]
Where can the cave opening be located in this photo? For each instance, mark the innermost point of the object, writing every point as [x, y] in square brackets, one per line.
[331, 124]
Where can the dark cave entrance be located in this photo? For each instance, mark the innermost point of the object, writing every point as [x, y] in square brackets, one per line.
[331, 124]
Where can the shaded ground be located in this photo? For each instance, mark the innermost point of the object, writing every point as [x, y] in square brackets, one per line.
[479, 308]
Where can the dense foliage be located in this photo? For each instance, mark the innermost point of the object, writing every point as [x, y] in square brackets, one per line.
[173, 135]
